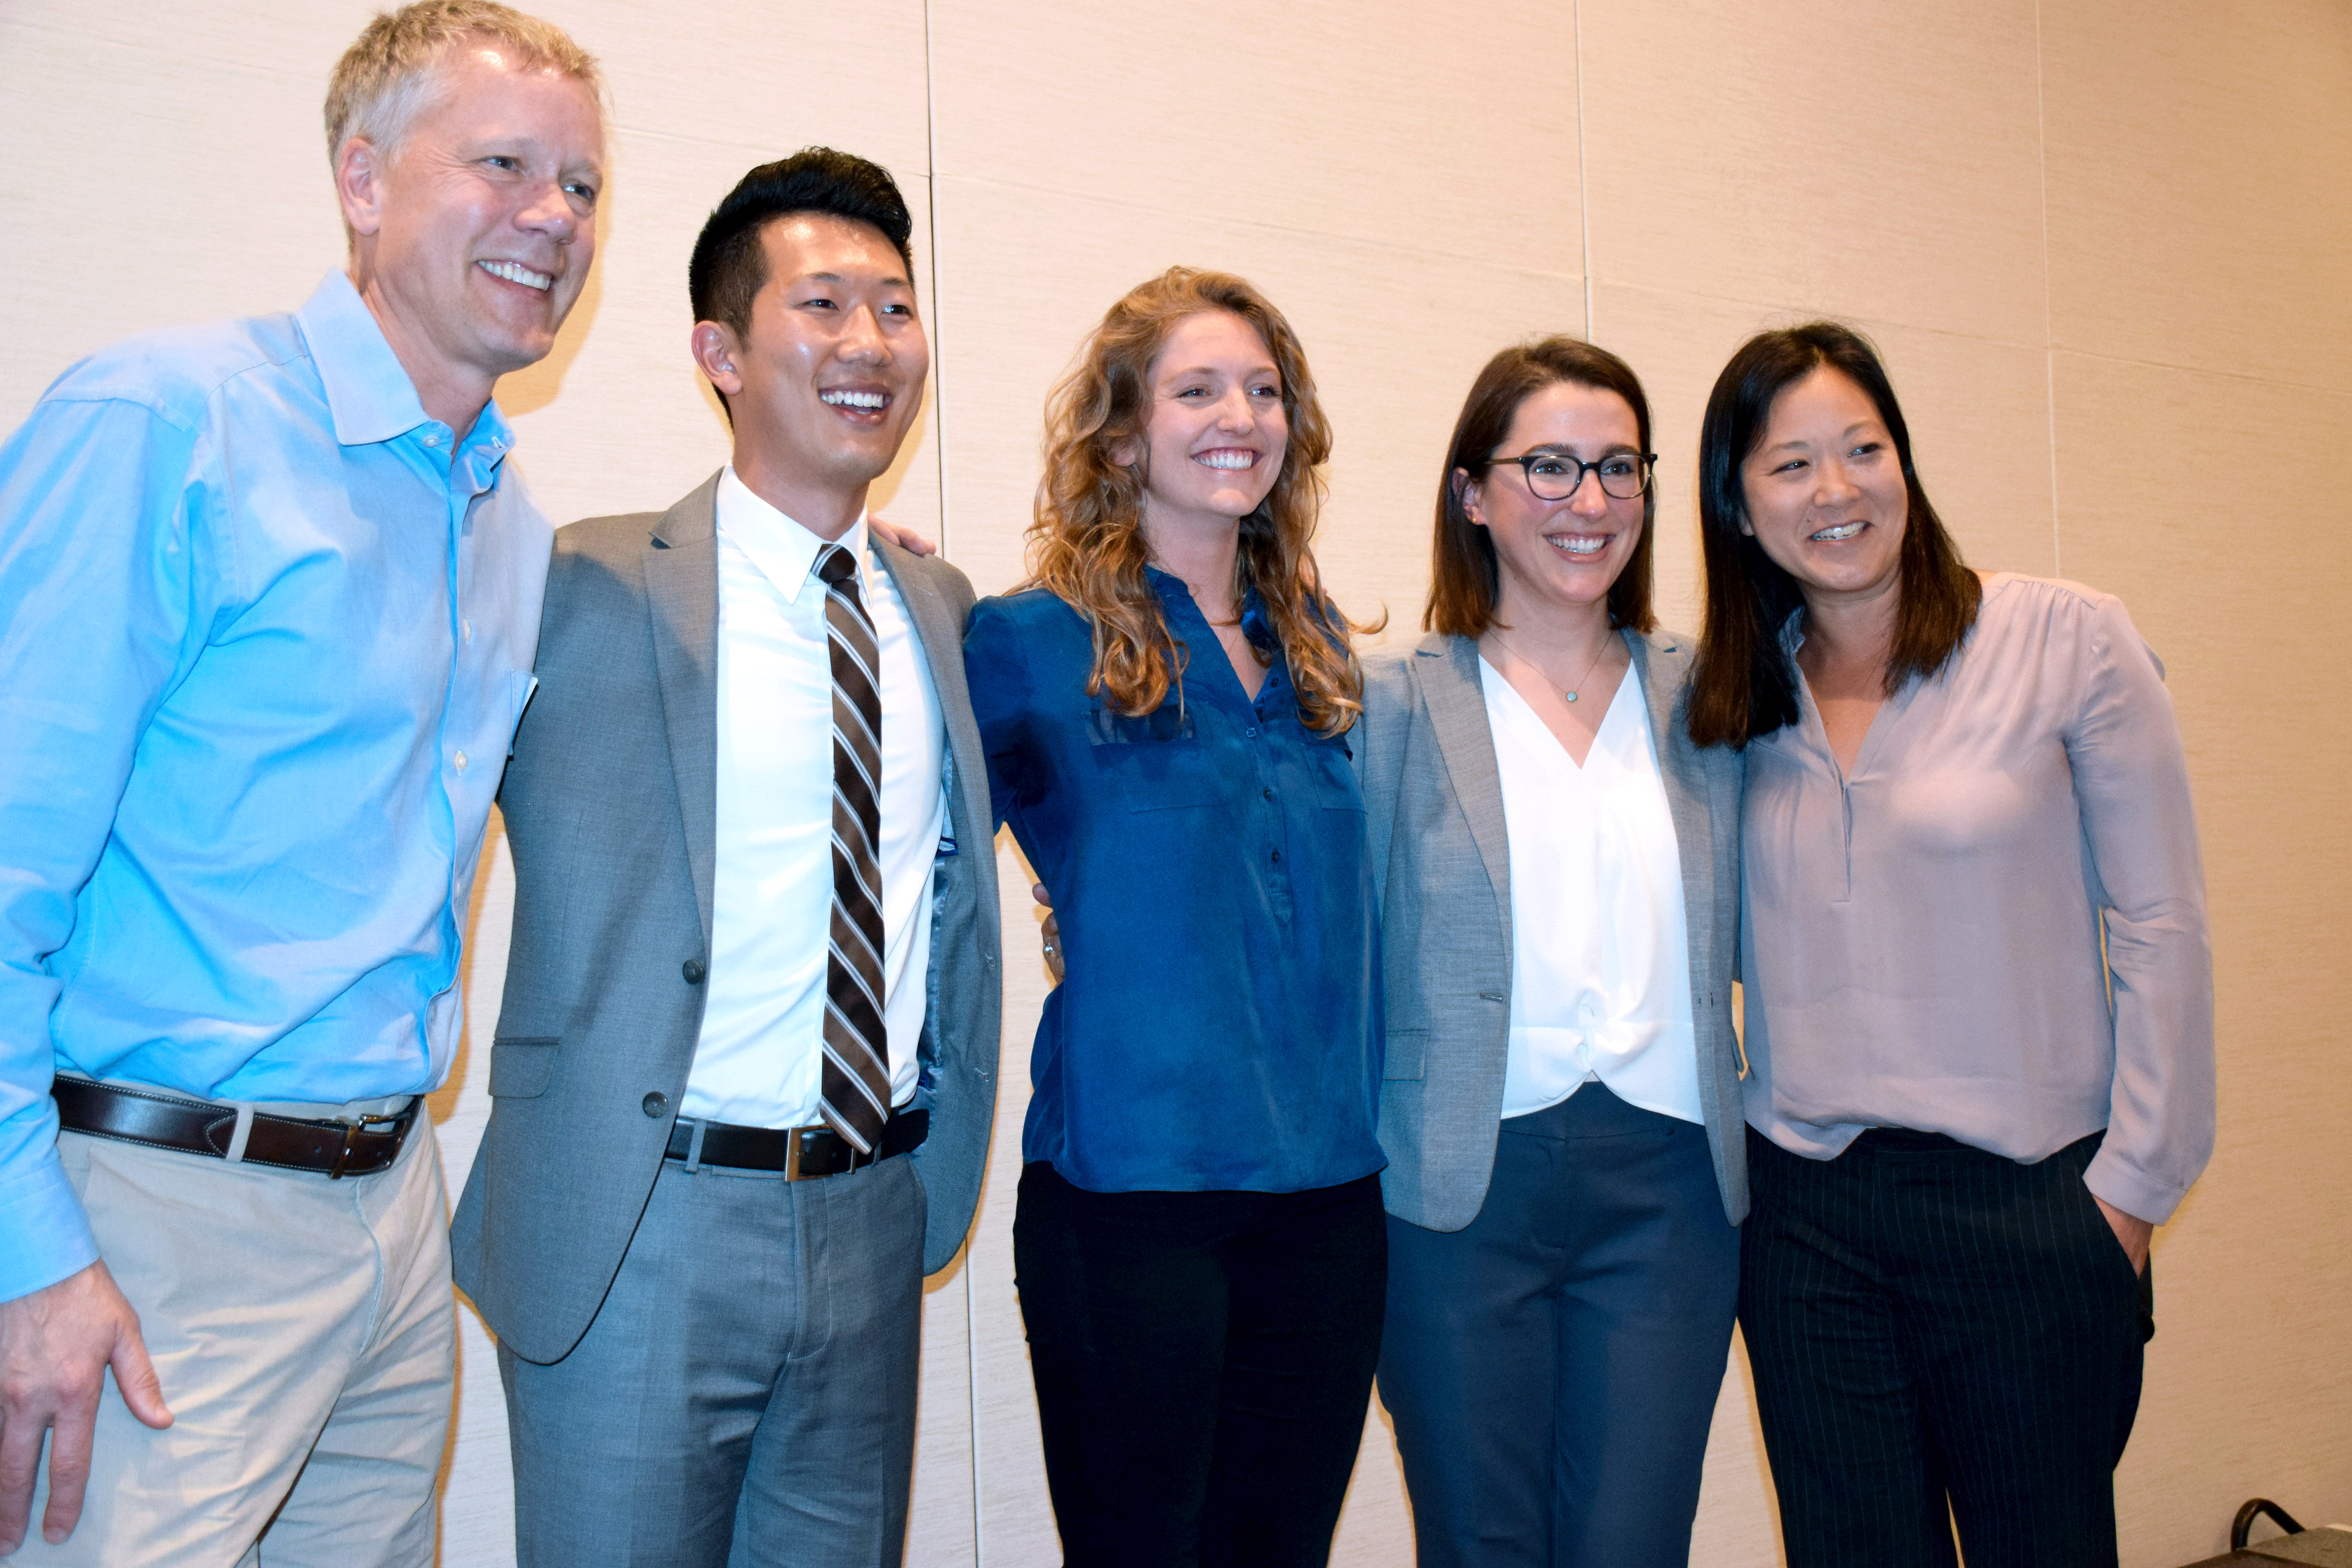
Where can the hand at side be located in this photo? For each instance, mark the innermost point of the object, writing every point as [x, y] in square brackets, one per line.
[55, 1344]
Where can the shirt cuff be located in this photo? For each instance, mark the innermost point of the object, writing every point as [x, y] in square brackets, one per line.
[2111, 1177]
[45, 1234]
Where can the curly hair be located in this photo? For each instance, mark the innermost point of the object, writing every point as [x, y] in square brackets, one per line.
[1086, 545]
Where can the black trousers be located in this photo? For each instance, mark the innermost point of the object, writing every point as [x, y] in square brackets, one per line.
[1204, 1361]
[1940, 1336]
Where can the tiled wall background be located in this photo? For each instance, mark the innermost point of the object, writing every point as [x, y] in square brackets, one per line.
[2106, 248]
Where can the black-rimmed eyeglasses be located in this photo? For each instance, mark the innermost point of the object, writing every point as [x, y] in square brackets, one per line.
[1555, 476]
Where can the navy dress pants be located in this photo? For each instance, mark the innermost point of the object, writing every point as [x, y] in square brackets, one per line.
[1204, 1361]
[1940, 1336]
[1552, 1368]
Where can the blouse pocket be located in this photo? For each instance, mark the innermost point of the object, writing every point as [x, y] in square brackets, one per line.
[1154, 762]
[1331, 774]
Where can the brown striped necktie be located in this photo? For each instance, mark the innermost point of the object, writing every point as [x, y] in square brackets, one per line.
[856, 1089]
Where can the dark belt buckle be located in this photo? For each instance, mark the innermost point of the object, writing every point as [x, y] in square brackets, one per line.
[352, 1129]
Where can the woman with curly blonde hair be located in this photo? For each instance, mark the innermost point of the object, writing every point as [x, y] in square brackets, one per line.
[1198, 1242]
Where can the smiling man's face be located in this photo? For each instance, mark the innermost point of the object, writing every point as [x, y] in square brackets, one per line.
[479, 227]
[826, 384]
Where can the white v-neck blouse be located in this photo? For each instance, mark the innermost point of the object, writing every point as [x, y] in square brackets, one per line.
[1599, 949]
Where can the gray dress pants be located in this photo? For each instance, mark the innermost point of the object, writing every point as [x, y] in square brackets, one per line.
[746, 1395]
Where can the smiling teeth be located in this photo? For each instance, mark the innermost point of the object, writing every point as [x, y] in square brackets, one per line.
[515, 272]
[1843, 531]
[1577, 544]
[1228, 460]
[856, 399]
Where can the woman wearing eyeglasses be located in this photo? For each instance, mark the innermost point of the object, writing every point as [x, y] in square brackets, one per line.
[1561, 1105]
[1979, 992]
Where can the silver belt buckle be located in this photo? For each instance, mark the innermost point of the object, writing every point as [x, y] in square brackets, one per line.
[352, 1129]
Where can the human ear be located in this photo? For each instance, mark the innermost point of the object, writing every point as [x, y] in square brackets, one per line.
[715, 347]
[1466, 493]
[359, 186]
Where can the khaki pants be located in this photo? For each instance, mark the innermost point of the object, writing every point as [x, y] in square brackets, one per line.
[304, 1332]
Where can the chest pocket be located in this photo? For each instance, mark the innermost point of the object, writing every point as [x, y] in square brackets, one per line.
[1332, 775]
[1156, 761]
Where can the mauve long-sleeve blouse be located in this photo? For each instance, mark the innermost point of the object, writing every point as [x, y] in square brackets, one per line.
[1921, 939]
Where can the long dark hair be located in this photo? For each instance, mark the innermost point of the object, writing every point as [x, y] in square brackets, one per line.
[1465, 582]
[1744, 685]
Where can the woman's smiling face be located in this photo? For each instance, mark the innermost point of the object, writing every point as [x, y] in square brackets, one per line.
[1214, 441]
[1824, 491]
[1559, 552]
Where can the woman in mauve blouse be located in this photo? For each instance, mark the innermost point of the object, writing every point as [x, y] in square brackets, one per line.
[1978, 994]
[1198, 1242]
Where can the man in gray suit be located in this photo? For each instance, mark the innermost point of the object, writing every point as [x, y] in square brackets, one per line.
[745, 1071]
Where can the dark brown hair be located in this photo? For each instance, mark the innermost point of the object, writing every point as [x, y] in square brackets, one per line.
[729, 264]
[1465, 582]
[1087, 544]
[1744, 685]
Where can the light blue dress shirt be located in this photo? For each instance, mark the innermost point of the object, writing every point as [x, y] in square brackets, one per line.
[265, 631]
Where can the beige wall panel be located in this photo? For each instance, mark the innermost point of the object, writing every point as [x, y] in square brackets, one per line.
[1875, 159]
[1739, 1524]
[2238, 586]
[2200, 183]
[1979, 412]
[165, 163]
[1447, 130]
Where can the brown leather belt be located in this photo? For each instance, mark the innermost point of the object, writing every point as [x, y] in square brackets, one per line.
[335, 1148]
[800, 1153]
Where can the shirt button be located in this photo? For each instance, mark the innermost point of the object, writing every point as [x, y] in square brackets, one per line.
[1249, 732]
[693, 971]
[1276, 857]
[469, 627]
[461, 762]
[656, 1104]
[431, 438]
[1267, 793]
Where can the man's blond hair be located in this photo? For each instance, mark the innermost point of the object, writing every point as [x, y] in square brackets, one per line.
[389, 77]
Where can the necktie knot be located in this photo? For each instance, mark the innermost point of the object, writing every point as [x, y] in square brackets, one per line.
[835, 566]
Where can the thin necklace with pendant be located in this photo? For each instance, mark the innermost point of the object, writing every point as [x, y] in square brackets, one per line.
[1548, 680]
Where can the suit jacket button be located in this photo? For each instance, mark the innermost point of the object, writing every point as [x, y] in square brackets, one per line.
[693, 971]
[657, 1104]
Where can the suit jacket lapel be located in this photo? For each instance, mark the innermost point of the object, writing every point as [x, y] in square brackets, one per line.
[942, 639]
[1661, 662]
[682, 596]
[1446, 668]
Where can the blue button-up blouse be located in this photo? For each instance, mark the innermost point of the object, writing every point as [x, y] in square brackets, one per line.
[1219, 1027]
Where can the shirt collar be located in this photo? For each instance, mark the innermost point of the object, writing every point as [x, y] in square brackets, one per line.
[368, 391]
[783, 549]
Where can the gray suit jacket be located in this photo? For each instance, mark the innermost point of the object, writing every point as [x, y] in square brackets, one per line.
[1434, 797]
[611, 802]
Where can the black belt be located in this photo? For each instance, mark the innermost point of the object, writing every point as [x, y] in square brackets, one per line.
[800, 1153]
[335, 1147]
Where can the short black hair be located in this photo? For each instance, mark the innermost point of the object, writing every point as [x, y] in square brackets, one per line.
[730, 265]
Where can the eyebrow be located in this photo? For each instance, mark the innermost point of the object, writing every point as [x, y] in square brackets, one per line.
[1212, 369]
[1568, 449]
[892, 282]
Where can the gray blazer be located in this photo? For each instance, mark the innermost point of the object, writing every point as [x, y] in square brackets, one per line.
[610, 800]
[1434, 798]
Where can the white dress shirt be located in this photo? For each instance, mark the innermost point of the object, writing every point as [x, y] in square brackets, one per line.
[1600, 951]
[758, 1061]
